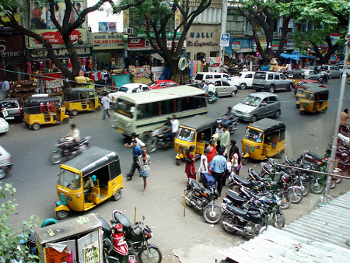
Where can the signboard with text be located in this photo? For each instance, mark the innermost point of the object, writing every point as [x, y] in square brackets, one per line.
[107, 41]
[11, 46]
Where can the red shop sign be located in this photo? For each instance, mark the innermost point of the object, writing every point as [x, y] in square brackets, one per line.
[56, 38]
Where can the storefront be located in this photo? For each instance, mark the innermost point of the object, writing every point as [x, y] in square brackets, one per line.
[109, 50]
[203, 41]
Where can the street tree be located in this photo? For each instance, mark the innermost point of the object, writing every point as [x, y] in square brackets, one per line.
[159, 18]
[64, 27]
[10, 247]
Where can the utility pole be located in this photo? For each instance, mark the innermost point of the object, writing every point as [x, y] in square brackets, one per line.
[337, 122]
[223, 31]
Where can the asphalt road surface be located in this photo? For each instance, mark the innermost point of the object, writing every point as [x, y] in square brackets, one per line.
[35, 178]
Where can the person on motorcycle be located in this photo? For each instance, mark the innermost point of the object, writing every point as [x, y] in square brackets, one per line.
[344, 116]
[205, 86]
[174, 125]
[73, 135]
[166, 129]
[227, 117]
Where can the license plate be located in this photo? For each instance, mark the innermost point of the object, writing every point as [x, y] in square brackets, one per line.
[210, 99]
[120, 130]
[132, 257]
[9, 118]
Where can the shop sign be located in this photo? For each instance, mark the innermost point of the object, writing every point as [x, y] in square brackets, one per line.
[152, 34]
[243, 43]
[140, 44]
[55, 38]
[236, 45]
[61, 53]
[201, 44]
[107, 41]
[11, 46]
[169, 43]
[201, 34]
[107, 26]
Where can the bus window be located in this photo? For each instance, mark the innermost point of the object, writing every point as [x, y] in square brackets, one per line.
[125, 108]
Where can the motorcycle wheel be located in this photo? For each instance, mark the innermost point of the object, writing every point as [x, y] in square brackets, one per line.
[178, 161]
[152, 148]
[317, 186]
[212, 214]
[333, 184]
[228, 219]
[151, 254]
[305, 188]
[295, 194]
[3, 173]
[55, 157]
[278, 220]
[285, 201]
[189, 193]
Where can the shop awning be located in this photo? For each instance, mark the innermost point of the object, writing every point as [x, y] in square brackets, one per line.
[157, 56]
[244, 50]
[289, 56]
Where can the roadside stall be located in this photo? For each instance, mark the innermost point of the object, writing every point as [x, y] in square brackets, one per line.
[74, 240]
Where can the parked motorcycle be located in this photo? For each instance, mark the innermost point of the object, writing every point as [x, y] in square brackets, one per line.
[65, 152]
[233, 126]
[202, 199]
[158, 141]
[123, 239]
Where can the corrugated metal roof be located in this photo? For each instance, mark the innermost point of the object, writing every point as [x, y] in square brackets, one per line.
[321, 236]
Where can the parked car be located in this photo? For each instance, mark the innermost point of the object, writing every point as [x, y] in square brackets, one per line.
[160, 84]
[257, 106]
[303, 82]
[210, 76]
[128, 88]
[333, 71]
[271, 81]
[5, 162]
[243, 80]
[311, 74]
[13, 108]
[4, 126]
[224, 88]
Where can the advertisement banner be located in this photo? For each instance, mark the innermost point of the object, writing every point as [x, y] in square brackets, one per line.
[225, 40]
[177, 18]
[11, 46]
[55, 38]
[61, 53]
[126, 18]
[236, 45]
[40, 15]
[107, 41]
[107, 27]
[6, 19]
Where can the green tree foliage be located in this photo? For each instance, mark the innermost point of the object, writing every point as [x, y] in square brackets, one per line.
[159, 17]
[9, 239]
[11, 7]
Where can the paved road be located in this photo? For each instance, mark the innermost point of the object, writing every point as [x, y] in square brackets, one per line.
[35, 179]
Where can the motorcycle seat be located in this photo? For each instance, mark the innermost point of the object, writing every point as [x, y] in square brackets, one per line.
[242, 181]
[291, 162]
[195, 185]
[122, 219]
[235, 198]
[237, 211]
[315, 156]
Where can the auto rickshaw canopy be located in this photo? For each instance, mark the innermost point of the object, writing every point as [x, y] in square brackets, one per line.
[199, 123]
[317, 90]
[83, 80]
[32, 105]
[268, 125]
[92, 160]
[308, 85]
[72, 94]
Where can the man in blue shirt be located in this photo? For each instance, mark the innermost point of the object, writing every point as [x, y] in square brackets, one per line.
[136, 151]
[218, 167]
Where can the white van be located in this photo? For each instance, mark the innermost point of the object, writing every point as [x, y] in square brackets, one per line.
[210, 76]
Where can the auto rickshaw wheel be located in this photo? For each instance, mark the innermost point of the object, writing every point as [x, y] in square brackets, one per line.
[74, 112]
[280, 154]
[178, 161]
[65, 120]
[63, 214]
[245, 160]
[117, 195]
[36, 126]
[254, 118]
[302, 112]
[98, 108]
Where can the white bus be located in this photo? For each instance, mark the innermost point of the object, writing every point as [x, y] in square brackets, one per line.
[143, 112]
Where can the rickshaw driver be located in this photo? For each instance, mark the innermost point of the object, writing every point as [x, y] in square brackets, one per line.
[88, 185]
[228, 117]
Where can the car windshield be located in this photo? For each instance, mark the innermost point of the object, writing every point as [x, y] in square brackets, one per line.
[152, 84]
[253, 135]
[186, 135]
[69, 180]
[123, 89]
[251, 101]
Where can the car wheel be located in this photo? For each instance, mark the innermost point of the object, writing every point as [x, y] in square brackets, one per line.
[330, 76]
[243, 86]
[234, 93]
[272, 89]
[3, 173]
[277, 114]
[290, 87]
[254, 118]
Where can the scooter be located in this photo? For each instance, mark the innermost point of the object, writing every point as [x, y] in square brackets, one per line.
[64, 151]
[233, 126]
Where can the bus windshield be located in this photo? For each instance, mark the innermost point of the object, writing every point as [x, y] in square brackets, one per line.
[69, 180]
[125, 108]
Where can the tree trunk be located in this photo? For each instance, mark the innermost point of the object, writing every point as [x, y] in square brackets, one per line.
[176, 73]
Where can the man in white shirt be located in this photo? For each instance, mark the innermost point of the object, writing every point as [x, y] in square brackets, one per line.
[174, 125]
[74, 133]
[105, 103]
[138, 141]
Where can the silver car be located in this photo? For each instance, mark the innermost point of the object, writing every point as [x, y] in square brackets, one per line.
[5, 162]
[224, 88]
[257, 106]
[271, 81]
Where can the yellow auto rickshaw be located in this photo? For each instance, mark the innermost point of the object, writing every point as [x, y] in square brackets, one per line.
[313, 99]
[80, 99]
[84, 82]
[100, 166]
[263, 139]
[196, 131]
[43, 110]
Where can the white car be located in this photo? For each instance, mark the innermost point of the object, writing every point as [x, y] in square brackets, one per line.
[128, 88]
[4, 126]
[224, 88]
[243, 80]
[311, 74]
[5, 162]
